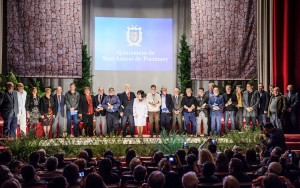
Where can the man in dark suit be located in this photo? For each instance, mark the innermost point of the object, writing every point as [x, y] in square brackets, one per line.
[100, 112]
[292, 98]
[9, 109]
[230, 101]
[166, 109]
[250, 104]
[59, 112]
[177, 111]
[216, 103]
[264, 98]
[126, 110]
[208, 93]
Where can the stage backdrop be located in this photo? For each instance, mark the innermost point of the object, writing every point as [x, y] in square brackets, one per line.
[224, 44]
[44, 38]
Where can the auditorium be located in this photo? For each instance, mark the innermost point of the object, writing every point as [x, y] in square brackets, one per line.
[149, 94]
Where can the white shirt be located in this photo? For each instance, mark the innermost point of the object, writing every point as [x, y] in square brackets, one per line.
[22, 101]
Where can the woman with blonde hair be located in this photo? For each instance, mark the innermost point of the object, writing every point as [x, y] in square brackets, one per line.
[46, 110]
[204, 156]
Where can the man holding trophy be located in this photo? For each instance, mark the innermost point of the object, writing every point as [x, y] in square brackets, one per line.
[230, 101]
[202, 112]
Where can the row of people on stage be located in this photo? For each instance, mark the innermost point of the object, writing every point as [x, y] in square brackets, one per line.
[206, 109]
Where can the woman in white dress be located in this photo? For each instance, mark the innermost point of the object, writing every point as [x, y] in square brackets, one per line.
[140, 112]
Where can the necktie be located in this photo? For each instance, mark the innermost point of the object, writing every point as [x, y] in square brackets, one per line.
[176, 99]
[59, 100]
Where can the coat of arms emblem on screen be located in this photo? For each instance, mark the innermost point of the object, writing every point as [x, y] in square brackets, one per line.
[134, 35]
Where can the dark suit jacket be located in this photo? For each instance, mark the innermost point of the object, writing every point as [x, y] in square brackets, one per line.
[8, 105]
[220, 103]
[281, 105]
[177, 106]
[83, 104]
[276, 138]
[126, 106]
[201, 101]
[234, 101]
[96, 103]
[30, 103]
[263, 102]
[62, 105]
[253, 103]
[292, 101]
[169, 102]
[44, 105]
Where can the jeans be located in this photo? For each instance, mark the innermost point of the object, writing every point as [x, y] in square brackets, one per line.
[251, 119]
[178, 118]
[165, 121]
[60, 120]
[101, 120]
[190, 116]
[10, 126]
[275, 120]
[229, 115]
[239, 121]
[262, 119]
[202, 119]
[216, 121]
[75, 123]
[112, 122]
[131, 124]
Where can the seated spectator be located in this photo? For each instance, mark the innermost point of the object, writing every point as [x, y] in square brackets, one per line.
[115, 163]
[5, 174]
[11, 183]
[193, 150]
[242, 158]
[272, 181]
[236, 149]
[191, 160]
[15, 168]
[204, 156]
[156, 180]
[83, 155]
[51, 168]
[207, 174]
[230, 182]
[164, 166]
[221, 163]
[181, 155]
[105, 171]
[190, 180]
[229, 154]
[264, 157]
[130, 154]
[43, 156]
[156, 158]
[5, 157]
[30, 179]
[273, 167]
[34, 159]
[94, 180]
[236, 169]
[212, 147]
[61, 160]
[251, 158]
[71, 173]
[133, 163]
[90, 161]
[139, 175]
[81, 163]
[172, 179]
[58, 182]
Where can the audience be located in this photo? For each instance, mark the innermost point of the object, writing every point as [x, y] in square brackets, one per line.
[30, 178]
[51, 168]
[191, 160]
[105, 171]
[230, 182]
[34, 159]
[71, 173]
[58, 182]
[130, 154]
[190, 180]
[139, 175]
[94, 180]
[61, 160]
[156, 180]
[207, 173]
[81, 163]
[5, 157]
[15, 168]
[11, 183]
[204, 156]
[43, 156]
[222, 163]
[5, 174]
[236, 169]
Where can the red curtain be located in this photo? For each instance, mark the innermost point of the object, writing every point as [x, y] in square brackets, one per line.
[286, 44]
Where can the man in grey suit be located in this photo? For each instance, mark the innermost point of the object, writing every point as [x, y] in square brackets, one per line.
[177, 110]
[9, 109]
[250, 104]
[59, 112]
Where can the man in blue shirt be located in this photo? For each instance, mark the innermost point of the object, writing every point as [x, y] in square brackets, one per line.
[111, 104]
[216, 103]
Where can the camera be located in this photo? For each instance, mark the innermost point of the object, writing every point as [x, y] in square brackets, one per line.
[185, 145]
[81, 174]
[171, 159]
[213, 141]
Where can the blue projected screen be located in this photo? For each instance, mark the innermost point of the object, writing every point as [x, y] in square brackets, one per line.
[137, 44]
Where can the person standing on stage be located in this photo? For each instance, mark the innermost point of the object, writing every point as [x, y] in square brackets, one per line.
[264, 98]
[140, 112]
[276, 108]
[72, 101]
[111, 104]
[100, 112]
[154, 103]
[208, 93]
[189, 104]
[86, 111]
[292, 98]
[239, 120]
[126, 111]
[177, 111]
[230, 101]
[59, 112]
[250, 104]
[271, 89]
[32, 109]
[166, 109]
[216, 103]
[202, 112]
[22, 95]
[9, 110]
[47, 107]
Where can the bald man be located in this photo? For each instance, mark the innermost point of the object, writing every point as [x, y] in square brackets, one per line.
[190, 180]
[100, 112]
[292, 98]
